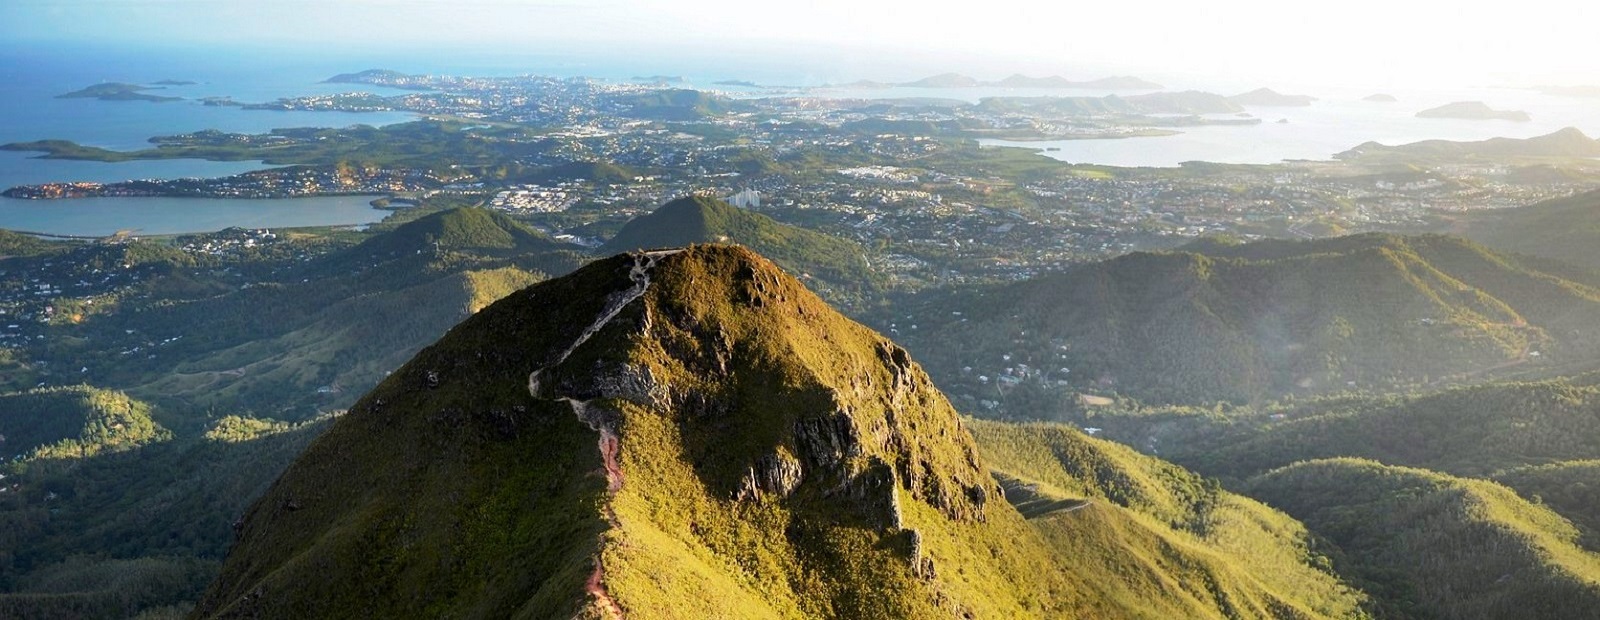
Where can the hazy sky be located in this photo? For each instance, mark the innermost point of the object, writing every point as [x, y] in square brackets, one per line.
[1350, 42]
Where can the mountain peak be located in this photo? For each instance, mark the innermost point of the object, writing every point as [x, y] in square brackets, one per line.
[723, 411]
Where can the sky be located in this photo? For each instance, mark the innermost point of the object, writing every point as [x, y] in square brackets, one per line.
[1349, 43]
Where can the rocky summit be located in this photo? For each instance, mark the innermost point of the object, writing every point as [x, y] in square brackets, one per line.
[685, 433]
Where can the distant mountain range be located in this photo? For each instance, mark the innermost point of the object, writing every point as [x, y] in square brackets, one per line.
[956, 80]
[1569, 142]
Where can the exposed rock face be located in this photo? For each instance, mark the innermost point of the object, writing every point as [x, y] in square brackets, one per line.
[774, 475]
[656, 402]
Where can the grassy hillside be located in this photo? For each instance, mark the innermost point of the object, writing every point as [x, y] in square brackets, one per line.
[1427, 545]
[1182, 546]
[17, 244]
[116, 533]
[1255, 321]
[1472, 431]
[1571, 488]
[316, 333]
[700, 411]
[1565, 229]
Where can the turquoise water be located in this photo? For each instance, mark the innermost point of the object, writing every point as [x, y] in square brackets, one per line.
[31, 79]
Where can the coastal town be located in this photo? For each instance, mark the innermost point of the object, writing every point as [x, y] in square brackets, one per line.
[910, 179]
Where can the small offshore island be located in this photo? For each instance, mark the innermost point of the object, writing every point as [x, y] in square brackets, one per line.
[1266, 97]
[1474, 111]
[119, 91]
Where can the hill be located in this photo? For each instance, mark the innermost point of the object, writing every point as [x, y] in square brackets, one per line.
[1473, 110]
[1469, 431]
[1271, 98]
[825, 261]
[673, 104]
[1564, 229]
[313, 333]
[114, 533]
[1249, 322]
[1568, 142]
[681, 433]
[466, 230]
[1107, 507]
[73, 422]
[1570, 488]
[1427, 545]
[17, 244]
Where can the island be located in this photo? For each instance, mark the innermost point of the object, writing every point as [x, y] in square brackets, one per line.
[744, 83]
[1566, 143]
[116, 91]
[1473, 110]
[1267, 97]
[1380, 98]
[659, 79]
[175, 83]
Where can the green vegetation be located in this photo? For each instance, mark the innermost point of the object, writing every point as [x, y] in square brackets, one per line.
[1571, 488]
[784, 460]
[421, 144]
[1565, 229]
[673, 105]
[1147, 511]
[1253, 322]
[1471, 431]
[18, 244]
[830, 263]
[1427, 545]
[73, 422]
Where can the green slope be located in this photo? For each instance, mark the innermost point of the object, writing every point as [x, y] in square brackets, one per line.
[1178, 543]
[73, 422]
[1571, 488]
[1427, 545]
[688, 434]
[1472, 431]
[318, 333]
[114, 534]
[1564, 229]
[1255, 321]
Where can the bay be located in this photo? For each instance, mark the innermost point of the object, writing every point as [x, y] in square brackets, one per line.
[162, 216]
[1338, 121]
